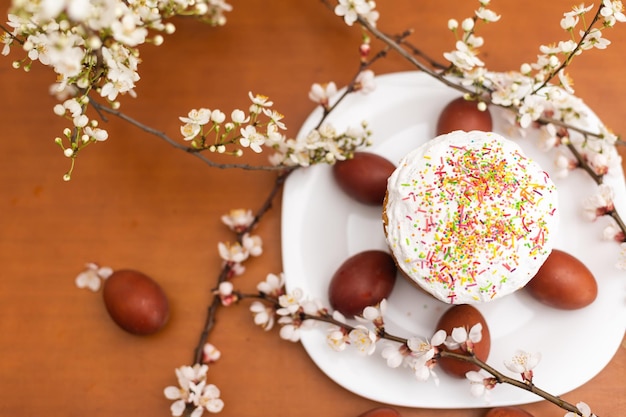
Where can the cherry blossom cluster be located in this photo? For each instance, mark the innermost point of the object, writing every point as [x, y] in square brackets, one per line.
[295, 312]
[350, 10]
[233, 254]
[209, 130]
[193, 392]
[92, 46]
[540, 95]
[260, 127]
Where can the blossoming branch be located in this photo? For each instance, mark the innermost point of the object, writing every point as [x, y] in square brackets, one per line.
[93, 48]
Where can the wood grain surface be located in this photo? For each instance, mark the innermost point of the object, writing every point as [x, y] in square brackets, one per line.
[135, 202]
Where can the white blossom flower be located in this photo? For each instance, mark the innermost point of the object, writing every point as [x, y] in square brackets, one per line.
[129, 30]
[337, 336]
[564, 165]
[480, 385]
[337, 339]
[363, 339]
[523, 363]
[565, 81]
[208, 398]
[194, 121]
[394, 354]
[210, 353]
[487, 15]
[217, 116]
[322, 93]
[461, 338]
[423, 366]
[263, 315]
[422, 355]
[463, 57]
[373, 314]
[193, 389]
[273, 285]
[253, 244]
[531, 109]
[351, 9]
[251, 138]
[612, 11]
[584, 410]
[232, 252]
[612, 231]
[93, 276]
[569, 22]
[226, 294]
[579, 10]
[548, 138]
[239, 116]
[275, 118]
[602, 157]
[238, 220]
[600, 203]
[365, 82]
[198, 117]
[259, 101]
[96, 133]
[289, 331]
[290, 302]
[594, 40]
[292, 307]
[467, 24]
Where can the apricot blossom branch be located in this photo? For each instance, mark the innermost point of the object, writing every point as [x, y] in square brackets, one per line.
[189, 150]
[295, 312]
[230, 268]
[532, 105]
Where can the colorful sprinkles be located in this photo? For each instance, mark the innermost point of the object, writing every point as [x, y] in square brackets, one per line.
[468, 214]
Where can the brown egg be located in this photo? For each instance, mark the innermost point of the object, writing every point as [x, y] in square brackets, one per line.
[135, 302]
[563, 282]
[507, 412]
[381, 412]
[461, 114]
[362, 280]
[466, 316]
[364, 177]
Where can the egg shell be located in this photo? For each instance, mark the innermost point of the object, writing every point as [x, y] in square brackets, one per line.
[381, 412]
[563, 282]
[362, 280]
[461, 114]
[507, 412]
[135, 302]
[464, 315]
[364, 177]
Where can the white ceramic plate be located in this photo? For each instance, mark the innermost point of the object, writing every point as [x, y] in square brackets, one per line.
[322, 227]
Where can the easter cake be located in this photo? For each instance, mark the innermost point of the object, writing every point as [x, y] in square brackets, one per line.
[469, 218]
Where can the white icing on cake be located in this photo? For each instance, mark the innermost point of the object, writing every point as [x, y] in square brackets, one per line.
[469, 218]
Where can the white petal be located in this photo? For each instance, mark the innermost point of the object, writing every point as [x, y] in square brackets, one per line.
[475, 334]
[197, 412]
[459, 334]
[438, 338]
[177, 408]
[172, 393]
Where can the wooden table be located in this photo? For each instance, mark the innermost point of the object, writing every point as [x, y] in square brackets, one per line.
[135, 202]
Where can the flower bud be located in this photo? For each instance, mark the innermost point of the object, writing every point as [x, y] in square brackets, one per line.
[468, 24]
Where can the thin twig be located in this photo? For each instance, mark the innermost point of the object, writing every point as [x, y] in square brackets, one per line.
[191, 151]
[326, 317]
[225, 273]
